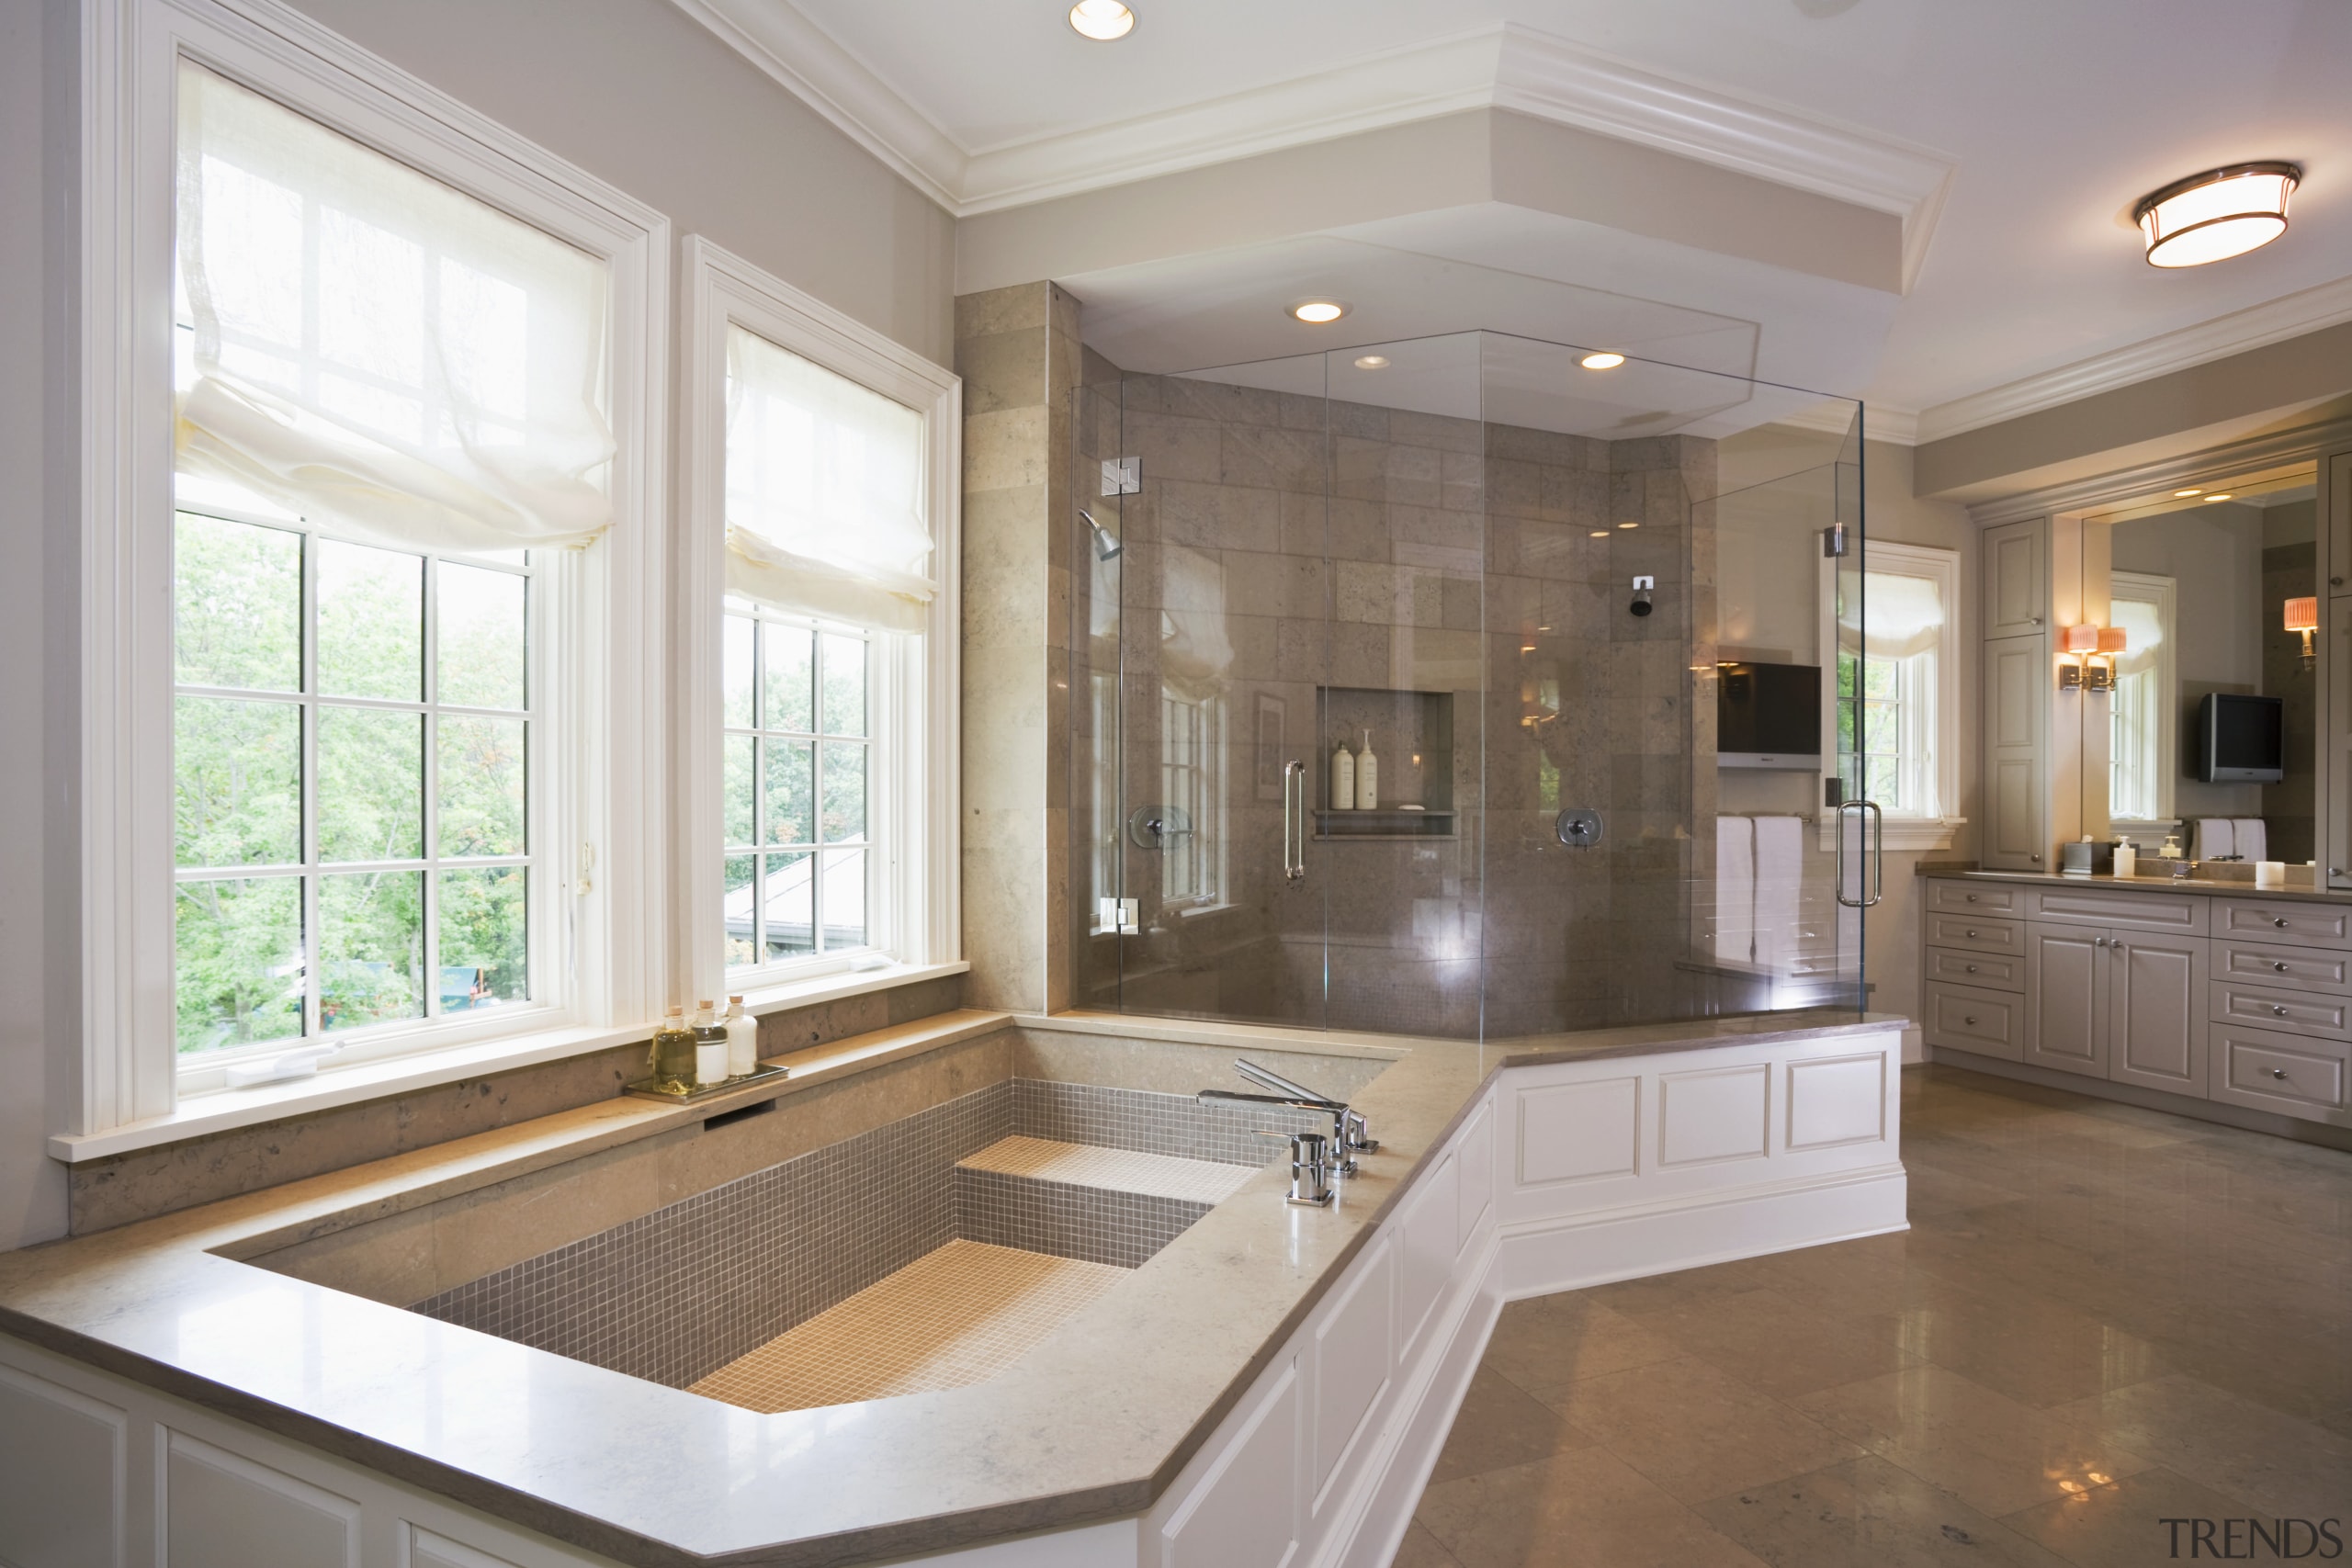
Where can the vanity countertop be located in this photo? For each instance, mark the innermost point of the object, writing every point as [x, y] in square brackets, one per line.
[2201, 887]
[1092, 1424]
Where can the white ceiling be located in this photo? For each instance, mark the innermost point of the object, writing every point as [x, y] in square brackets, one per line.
[2057, 116]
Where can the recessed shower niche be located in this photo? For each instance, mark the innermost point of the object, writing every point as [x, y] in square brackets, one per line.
[1412, 734]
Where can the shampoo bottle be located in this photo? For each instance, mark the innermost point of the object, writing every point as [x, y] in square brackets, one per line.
[674, 1054]
[1367, 777]
[1343, 778]
[2127, 860]
[743, 1040]
[710, 1045]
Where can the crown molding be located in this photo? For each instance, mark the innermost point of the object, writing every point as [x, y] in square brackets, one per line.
[2248, 455]
[1506, 66]
[1835, 416]
[2289, 316]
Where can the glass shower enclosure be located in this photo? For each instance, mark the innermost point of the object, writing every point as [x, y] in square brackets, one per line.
[1397, 679]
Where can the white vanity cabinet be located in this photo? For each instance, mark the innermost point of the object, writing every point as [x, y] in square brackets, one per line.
[2244, 1002]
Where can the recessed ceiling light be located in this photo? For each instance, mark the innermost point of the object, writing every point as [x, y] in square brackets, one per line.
[1601, 533]
[2185, 494]
[2223, 496]
[2216, 215]
[1102, 20]
[1601, 361]
[1373, 362]
[1629, 525]
[1315, 312]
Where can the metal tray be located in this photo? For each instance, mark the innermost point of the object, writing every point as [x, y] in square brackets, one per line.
[645, 1088]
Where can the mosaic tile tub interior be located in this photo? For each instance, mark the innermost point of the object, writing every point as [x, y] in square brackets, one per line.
[673, 1295]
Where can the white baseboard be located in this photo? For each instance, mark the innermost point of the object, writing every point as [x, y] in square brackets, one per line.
[1540, 1258]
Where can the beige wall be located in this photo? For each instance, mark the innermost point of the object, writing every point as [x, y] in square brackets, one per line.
[632, 91]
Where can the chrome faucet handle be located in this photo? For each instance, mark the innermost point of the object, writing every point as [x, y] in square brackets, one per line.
[1266, 1078]
[1310, 1167]
[1355, 1136]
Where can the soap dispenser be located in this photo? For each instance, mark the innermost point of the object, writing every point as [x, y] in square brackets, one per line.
[1367, 777]
[1343, 778]
[2127, 858]
[2171, 850]
[743, 1040]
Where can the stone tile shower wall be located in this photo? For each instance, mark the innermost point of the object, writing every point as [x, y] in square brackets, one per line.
[675, 1294]
[1278, 535]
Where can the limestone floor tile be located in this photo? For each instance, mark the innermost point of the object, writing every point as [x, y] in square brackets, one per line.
[1867, 1513]
[1936, 1190]
[2220, 1439]
[1697, 1431]
[1767, 1340]
[2037, 1352]
[1501, 1424]
[1989, 1450]
[1548, 1342]
[1583, 1508]
[1637, 1298]
[2121, 1525]
[2302, 1375]
[1421, 1549]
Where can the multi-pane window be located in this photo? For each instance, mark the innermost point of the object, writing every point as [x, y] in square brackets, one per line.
[352, 730]
[1869, 728]
[798, 772]
[1894, 689]
[1192, 743]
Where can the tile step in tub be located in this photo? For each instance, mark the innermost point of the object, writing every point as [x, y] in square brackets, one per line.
[1044, 1228]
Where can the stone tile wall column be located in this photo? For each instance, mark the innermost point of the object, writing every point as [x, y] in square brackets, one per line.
[1017, 350]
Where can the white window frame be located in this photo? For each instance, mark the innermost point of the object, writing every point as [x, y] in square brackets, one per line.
[1885, 556]
[914, 683]
[604, 688]
[2164, 592]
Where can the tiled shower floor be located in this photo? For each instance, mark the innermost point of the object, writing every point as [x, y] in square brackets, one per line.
[953, 1317]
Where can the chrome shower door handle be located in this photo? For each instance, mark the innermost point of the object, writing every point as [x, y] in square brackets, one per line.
[1878, 853]
[1294, 820]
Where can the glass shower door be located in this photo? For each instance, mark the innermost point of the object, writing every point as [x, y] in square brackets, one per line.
[1201, 613]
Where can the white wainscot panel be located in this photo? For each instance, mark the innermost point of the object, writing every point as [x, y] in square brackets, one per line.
[1477, 1146]
[1425, 1239]
[60, 1475]
[1837, 1099]
[1718, 1113]
[222, 1511]
[1579, 1131]
[422, 1549]
[1246, 1509]
[1353, 1348]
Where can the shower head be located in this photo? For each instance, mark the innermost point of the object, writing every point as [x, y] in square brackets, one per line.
[1105, 546]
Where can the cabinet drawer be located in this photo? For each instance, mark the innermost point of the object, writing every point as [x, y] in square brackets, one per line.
[2305, 925]
[2283, 1073]
[2293, 1012]
[1973, 899]
[1991, 1024]
[1976, 933]
[2182, 914]
[1959, 968]
[2296, 968]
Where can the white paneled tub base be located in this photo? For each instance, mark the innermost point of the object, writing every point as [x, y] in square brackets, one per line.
[1560, 1176]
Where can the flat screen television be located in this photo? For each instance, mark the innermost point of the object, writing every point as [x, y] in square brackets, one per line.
[1768, 715]
[2240, 738]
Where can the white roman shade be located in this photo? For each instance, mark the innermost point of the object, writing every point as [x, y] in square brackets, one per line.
[824, 492]
[376, 351]
[1902, 615]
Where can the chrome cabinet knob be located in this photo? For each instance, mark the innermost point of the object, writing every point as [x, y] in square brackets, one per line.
[1971, 969]
[2280, 921]
[2278, 1010]
[2277, 1072]
[1970, 1018]
[1972, 897]
[2278, 964]
[1971, 930]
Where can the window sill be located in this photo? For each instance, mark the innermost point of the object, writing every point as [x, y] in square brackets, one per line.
[226, 1110]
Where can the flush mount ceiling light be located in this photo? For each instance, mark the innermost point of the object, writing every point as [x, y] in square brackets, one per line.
[1629, 525]
[2216, 215]
[1601, 361]
[2223, 496]
[1317, 312]
[1102, 20]
[2185, 494]
[1370, 361]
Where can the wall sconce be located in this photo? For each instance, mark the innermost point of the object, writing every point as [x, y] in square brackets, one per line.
[2111, 641]
[2302, 615]
[2079, 642]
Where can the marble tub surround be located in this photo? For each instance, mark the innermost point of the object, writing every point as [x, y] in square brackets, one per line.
[1091, 1425]
[140, 1185]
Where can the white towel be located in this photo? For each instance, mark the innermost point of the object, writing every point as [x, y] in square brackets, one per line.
[2216, 839]
[1779, 876]
[1735, 933]
[2253, 839]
